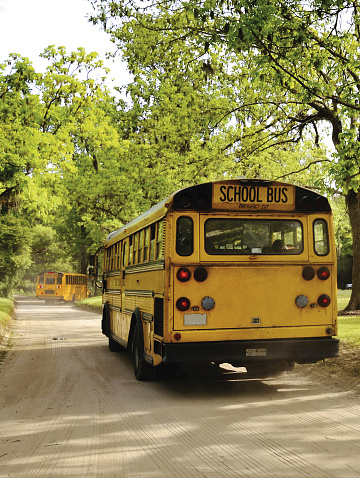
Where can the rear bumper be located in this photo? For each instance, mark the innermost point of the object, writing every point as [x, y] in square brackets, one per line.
[309, 350]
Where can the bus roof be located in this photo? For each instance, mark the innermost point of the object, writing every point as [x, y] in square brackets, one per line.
[242, 195]
[157, 208]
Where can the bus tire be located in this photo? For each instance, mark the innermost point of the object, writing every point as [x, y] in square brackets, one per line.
[142, 369]
[105, 321]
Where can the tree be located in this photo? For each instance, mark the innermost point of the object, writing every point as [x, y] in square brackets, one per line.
[14, 253]
[302, 61]
[50, 125]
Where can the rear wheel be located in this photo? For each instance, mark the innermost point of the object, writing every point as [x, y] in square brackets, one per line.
[142, 370]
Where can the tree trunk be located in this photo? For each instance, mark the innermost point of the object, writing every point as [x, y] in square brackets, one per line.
[353, 204]
[84, 258]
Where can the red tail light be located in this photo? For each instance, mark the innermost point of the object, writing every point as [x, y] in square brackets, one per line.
[183, 274]
[323, 273]
[182, 304]
[324, 300]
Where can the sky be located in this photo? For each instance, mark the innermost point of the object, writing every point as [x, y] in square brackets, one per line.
[27, 27]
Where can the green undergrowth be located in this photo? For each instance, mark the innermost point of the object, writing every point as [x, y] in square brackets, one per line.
[92, 303]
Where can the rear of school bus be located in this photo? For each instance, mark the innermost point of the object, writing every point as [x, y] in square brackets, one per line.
[252, 277]
[49, 286]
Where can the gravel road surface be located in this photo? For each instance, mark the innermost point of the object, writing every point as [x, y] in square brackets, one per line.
[70, 407]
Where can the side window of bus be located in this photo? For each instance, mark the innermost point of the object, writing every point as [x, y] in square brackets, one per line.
[146, 244]
[106, 259]
[111, 251]
[118, 263]
[152, 241]
[159, 241]
[136, 247]
[321, 237]
[130, 250]
[124, 253]
[115, 255]
[184, 236]
[141, 244]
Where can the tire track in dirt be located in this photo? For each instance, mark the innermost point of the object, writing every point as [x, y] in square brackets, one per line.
[70, 407]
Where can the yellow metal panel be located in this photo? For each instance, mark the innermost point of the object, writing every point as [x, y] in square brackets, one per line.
[256, 298]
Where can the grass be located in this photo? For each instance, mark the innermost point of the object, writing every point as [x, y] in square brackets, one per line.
[348, 326]
[92, 303]
[6, 310]
[343, 299]
[349, 330]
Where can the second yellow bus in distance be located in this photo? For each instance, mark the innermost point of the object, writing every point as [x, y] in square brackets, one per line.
[240, 271]
[61, 286]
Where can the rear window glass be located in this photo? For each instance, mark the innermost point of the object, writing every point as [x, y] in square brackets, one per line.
[184, 236]
[321, 237]
[252, 236]
[50, 280]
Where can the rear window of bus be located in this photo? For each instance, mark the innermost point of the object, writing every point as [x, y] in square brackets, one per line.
[251, 236]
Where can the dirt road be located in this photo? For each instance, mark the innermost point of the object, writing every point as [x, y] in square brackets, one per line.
[70, 407]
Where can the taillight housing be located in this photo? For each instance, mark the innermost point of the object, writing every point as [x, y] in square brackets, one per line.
[308, 273]
[323, 273]
[182, 304]
[183, 274]
[200, 274]
[324, 300]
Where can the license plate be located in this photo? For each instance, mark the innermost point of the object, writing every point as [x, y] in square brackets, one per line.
[256, 352]
[195, 319]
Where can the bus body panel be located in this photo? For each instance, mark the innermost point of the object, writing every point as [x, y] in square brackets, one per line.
[261, 296]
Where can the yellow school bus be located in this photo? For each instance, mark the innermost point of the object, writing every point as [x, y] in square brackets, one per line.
[239, 271]
[61, 286]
